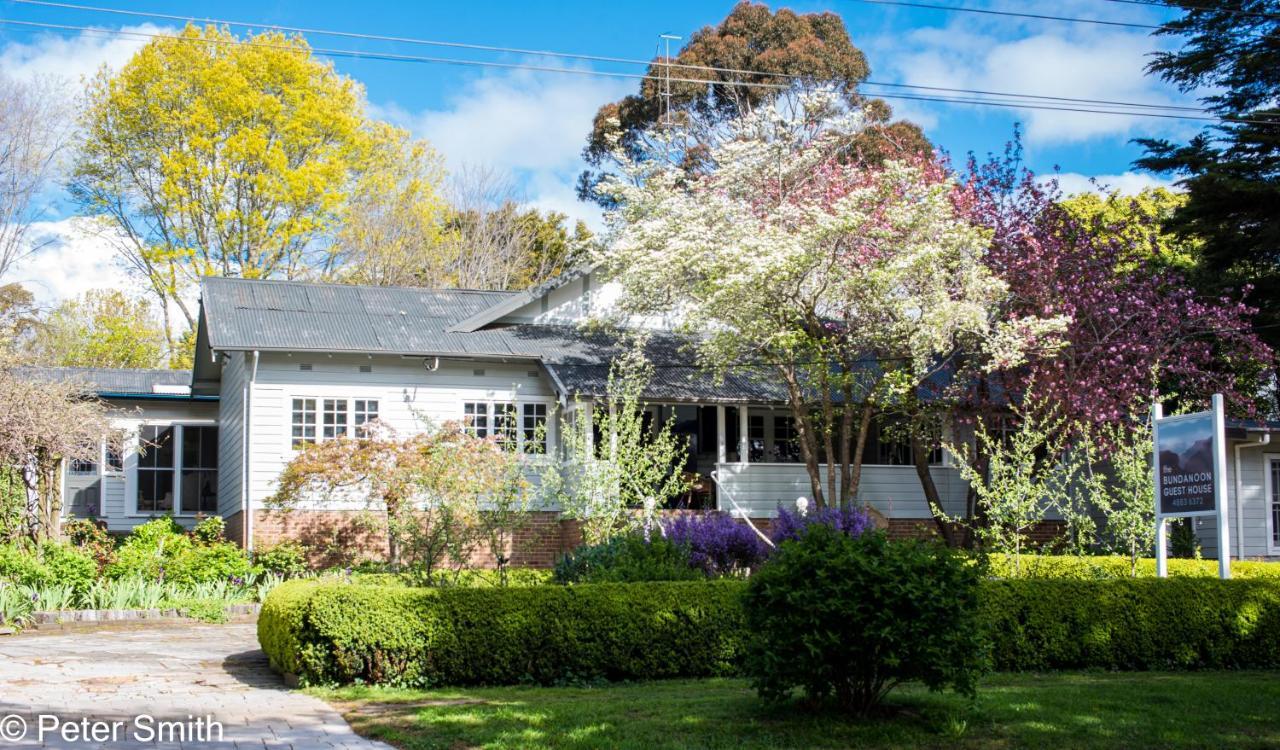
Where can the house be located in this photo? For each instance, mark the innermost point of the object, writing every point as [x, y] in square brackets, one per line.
[280, 364]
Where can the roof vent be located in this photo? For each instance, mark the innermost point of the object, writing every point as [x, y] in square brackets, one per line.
[478, 373]
[304, 367]
[171, 390]
[366, 368]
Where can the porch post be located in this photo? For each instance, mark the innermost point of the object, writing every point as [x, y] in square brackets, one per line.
[722, 449]
[744, 440]
[586, 411]
[613, 431]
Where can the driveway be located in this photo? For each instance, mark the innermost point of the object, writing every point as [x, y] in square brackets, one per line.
[157, 686]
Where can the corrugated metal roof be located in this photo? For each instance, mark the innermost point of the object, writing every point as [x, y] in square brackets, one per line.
[104, 380]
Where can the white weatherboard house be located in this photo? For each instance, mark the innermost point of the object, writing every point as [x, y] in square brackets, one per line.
[280, 364]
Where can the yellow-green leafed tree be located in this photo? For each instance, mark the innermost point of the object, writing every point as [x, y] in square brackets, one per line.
[101, 328]
[1139, 221]
[218, 155]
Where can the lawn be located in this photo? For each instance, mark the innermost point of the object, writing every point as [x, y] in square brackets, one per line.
[1082, 710]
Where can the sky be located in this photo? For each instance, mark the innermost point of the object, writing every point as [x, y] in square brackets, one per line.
[533, 124]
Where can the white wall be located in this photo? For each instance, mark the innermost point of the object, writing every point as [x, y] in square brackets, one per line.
[580, 299]
[409, 398]
[1254, 464]
[893, 490]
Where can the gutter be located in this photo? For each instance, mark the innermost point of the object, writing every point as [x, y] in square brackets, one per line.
[1264, 440]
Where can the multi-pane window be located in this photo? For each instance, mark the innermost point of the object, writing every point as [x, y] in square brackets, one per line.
[1275, 503]
[785, 447]
[84, 466]
[156, 457]
[475, 418]
[534, 418]
[505, 427]
[199, 490]
[304, 422]
[363, 411]
[755, 437]
[334, 418]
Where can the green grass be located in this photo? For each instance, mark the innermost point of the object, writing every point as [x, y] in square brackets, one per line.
[1083, 710]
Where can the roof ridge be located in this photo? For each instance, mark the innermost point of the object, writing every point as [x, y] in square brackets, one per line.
[341, 285]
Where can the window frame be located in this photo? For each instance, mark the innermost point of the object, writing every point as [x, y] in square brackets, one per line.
[348, 412]
[516, 429]
[1270, 503]
[133, 469]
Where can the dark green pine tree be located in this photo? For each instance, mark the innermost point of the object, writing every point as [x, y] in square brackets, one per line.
[1231, 171]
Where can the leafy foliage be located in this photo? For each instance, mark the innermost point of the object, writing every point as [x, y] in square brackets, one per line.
[334, 632]
[1096, 567]
[100, 328]
[628, 558]
[848, 618]
[288, 559]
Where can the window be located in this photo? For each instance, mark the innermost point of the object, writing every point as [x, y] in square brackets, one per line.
[114, 459]
[535, 428]
[1275, 503]
[335, 418]
[155, 470]
[199, 491]
[506, 425]
[304, 422]
[475, 418]
[363, 412]
[755, 437]
[84, 466]
[785, 447]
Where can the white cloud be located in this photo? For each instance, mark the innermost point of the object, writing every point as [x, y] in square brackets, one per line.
[532, 125]
[71, 258]
[1063, 60]
[73, 58]
[1128, 183]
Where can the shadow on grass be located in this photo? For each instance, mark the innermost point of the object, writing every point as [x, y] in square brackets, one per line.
[1012, 711]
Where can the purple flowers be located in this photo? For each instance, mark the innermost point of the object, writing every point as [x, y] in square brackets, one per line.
[789, 525]
[718, 544]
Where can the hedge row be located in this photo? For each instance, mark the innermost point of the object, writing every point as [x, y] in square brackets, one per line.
[334, 632]
[339, 633]
[1094, 568]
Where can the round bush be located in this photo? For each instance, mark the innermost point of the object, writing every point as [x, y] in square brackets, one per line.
[847, 618]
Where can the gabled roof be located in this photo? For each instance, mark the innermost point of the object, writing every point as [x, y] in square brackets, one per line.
[116, 382]
[517, 301]
[244, 314]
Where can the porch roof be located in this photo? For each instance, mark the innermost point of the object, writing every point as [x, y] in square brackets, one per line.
[111, 382]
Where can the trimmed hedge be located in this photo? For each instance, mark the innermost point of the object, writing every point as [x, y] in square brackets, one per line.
[335, 632]
[339, 633]
[1094, 568]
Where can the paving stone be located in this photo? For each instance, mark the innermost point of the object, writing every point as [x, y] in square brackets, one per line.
[176, 673]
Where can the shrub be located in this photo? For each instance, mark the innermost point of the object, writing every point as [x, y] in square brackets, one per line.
[717, 544]
[1133, 624]
[92, 537]
[150, 550]
[68, 565]
[288, 559]
[1101, 567]
[209, 530]
[849, 617]
[19, 564]
[222, 561]
[334, 632]
[850, 521]
[627, 558]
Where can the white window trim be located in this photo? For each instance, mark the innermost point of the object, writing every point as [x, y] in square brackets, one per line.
[551, 436]
[1267, 459]
[131, 468]
[320, 397]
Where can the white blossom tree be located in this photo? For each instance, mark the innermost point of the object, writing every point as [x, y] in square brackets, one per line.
[854, 282]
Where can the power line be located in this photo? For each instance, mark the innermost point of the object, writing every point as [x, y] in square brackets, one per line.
[989, 12]
[392, 57]
[666, 64]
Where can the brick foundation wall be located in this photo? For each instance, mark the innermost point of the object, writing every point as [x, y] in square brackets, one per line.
[235, 527]
[337, 537]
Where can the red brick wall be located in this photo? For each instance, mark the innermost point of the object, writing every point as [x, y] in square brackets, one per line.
[346, 537]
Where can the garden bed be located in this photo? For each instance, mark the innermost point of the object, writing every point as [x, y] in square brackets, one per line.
[77, 618]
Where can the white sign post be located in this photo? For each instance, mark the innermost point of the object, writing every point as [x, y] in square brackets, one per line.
[1189, 466]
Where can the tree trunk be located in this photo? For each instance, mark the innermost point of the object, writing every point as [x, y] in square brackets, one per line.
[855, 465]
[49, 492]
[920, 457]
[804, 433]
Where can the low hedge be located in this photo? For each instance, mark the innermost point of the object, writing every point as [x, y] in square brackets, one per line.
[336, 632]
[339, 633]
[1093, 568]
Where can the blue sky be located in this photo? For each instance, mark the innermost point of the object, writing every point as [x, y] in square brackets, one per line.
[533, 124]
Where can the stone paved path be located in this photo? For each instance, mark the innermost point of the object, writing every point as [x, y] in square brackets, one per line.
[171, 673]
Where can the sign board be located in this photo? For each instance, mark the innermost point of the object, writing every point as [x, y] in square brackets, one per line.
[1189, 464]
[1187, 481]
